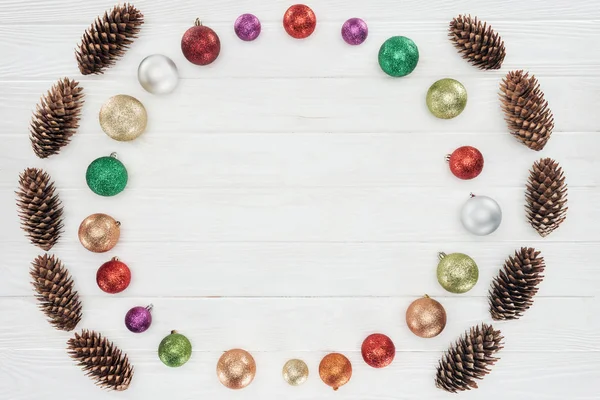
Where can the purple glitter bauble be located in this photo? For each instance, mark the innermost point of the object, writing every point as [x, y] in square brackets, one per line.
[138, 319]
[247, 27]
[355, 31]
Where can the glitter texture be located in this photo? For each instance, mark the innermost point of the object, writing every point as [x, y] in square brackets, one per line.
[426, 317]
[99, 233]
[299, 21]
[138, 319]
[113, 276]
[466, 162]
[398, 56]
[335, 370]
[200, 45]
[123, 118]
[355, 31]
[446, 98]
[247, 27]
[236, 369]
[106, 176]
[174, 350]
[457, 272]
[295, 372]
[378, 350]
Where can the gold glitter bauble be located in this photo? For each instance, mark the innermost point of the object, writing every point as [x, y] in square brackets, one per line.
[457, 272]
[335, 370]
[426, 317]
[99, 233]
[123, 118]
[236, 369]
[446, 98]
[295, 372]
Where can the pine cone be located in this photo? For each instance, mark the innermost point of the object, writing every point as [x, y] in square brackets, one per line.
[101, 360]
[40, 209]
[56, 118]
[513, 289]
[107, 39]
[469, 359]
[56, 295]
[477, 42]
[546, 196]
[526, 111]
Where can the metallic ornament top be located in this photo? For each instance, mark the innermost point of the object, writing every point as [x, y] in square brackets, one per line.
[99, 233]
[158, 74]
[299, 21]
[106, 176]
[113, 276]
[481, 215]
[398, 56]
[335, 370]
[247, 27]
[457, 272]
[123, 118]
[446, 98]
[466, 162]
[174, 350]
[426, 317]
[295, 372]
[200, 44]
[378, 350]
[236, 369]
[139, 319]
[355, 31]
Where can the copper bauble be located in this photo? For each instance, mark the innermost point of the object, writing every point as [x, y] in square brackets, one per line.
[113, 276]
[426, 317]
[335, 370]
[378, 350]
[99, 233]
[236, 369]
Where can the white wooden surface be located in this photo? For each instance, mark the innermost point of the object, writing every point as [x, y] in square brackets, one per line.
[290, 199]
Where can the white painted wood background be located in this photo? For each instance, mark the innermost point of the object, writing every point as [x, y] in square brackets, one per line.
[290, 199]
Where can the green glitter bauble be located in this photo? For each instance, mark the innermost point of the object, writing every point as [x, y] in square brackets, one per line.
[175, 350]
[398, 56]
[457, 272]
[446, 98]
[106, 176]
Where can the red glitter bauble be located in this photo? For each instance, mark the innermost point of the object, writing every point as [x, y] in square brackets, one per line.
[466, 162]
[113, 276]
[378, 350]
[200, 44]
[299, 21]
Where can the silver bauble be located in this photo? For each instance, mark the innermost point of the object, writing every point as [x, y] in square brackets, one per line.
[158, 74]
[481, 215]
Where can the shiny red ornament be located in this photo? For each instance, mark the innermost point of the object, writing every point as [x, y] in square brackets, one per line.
[113, 276]
[378, 350]
[299, 21]
[200, 44]
[466, 162]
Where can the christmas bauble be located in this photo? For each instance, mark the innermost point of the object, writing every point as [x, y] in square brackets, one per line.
[113, 276]
[355, 31]
[123, 118]
[236, 369]
[99, 233]
[200, 44]
[335, 370]
[398, 56]
[158, 74]
[295, 372]
[138, 319]
[457, 272]
[426, 317]
[466, 162]
[446, 98]
[481, 215]
[174, 350]
[378, 350]
[299, 21]
[106, 176]
[247, 27]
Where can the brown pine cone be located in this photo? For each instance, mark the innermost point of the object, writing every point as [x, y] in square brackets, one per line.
[477, 42]
[546, 196]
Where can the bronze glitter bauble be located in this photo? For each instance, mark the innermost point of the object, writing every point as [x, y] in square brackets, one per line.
[335, 370]
[99, 233]
[123, 118]
[378, 350]
[236, 369]
[426, 317]
[295, 372]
